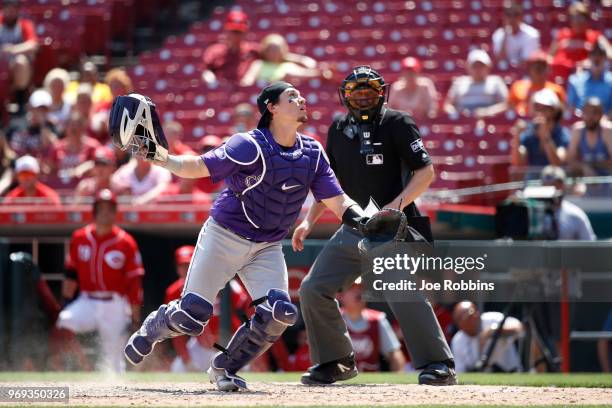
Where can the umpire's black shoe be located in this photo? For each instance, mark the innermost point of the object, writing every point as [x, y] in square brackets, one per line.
[328, 373]
[438, 374]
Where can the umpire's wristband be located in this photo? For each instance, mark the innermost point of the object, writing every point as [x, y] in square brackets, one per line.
[353, 217]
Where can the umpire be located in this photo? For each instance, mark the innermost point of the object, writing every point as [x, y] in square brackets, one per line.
[376, 152]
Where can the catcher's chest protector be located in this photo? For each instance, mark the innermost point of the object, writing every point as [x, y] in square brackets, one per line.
[274, 200]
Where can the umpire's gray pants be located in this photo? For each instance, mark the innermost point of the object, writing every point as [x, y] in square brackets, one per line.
[335, 269]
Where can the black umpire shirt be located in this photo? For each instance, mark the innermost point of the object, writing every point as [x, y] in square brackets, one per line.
[382, 175]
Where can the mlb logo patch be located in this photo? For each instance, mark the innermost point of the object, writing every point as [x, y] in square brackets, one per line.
[417, 145]
[374, 159]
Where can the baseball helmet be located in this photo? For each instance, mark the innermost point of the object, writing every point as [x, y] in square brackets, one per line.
[134, 124]
[183, 254]
[363, 92]
[104, 195]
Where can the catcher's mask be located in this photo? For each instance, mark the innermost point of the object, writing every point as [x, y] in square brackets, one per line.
[364, 93]
[134, 124]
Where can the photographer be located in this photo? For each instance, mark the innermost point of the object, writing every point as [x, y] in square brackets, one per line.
[571, 222]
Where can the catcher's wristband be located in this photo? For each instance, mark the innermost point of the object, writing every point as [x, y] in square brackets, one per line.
[174, 164]
[353, 217]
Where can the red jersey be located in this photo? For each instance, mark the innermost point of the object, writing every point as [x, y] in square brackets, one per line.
[108, 263]
[573, 48]
[22, 31]
[66, 156]
[227, 64]
[366, 343]
[42, 192]
[180, 148]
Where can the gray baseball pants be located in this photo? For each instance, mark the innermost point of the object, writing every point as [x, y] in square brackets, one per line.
[335, 269]
[220, 254]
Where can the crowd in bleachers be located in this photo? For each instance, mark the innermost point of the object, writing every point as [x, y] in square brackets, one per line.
[490, 83]
[203, 81]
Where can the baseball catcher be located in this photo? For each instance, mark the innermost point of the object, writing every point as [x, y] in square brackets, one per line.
[269, 172]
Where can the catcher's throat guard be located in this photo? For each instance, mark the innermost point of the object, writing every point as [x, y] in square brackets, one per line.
[134, 124]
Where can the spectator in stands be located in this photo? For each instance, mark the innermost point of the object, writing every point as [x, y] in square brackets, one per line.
[571, 221]
[100, 91]
[18, 45]
[104, 167]
[243, 118]
[593, 82]
[174, 134]
[414, 93]
[604, 347]
[119, 83]
[55, 83]
[141, 180]
[572, 44]
[474, 336]
[33, 134]
[522, 90]
[73, 156]
[84, 106]
[210, 142]
[205, 183]
[30, 190]
[7, 163]
[478, 93]
[184, 191]
[274, 63]
[515, 41]
[371, 333]
[229, 59]
[545, 140]
[590, 148]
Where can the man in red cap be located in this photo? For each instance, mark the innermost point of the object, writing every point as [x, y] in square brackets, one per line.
[229, 59]
[522, 90]
[105, 263]
[414, 93]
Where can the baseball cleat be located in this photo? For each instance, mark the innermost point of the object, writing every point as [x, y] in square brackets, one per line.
[328, 373]
[438, 374]
[226, 381]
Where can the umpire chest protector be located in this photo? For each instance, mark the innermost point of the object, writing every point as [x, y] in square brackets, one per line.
[274, 194]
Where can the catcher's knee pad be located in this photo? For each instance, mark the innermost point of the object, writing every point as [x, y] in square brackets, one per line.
[272, 316]
[189, 315]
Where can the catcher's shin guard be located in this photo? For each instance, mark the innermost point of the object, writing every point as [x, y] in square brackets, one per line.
[272, 316]
[188, 315]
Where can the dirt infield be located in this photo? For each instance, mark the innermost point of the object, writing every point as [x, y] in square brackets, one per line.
[137, 393]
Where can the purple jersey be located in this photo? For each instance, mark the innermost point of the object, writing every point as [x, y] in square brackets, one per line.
[266, 183]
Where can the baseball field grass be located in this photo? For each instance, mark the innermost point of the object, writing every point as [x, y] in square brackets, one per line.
[283, 389]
